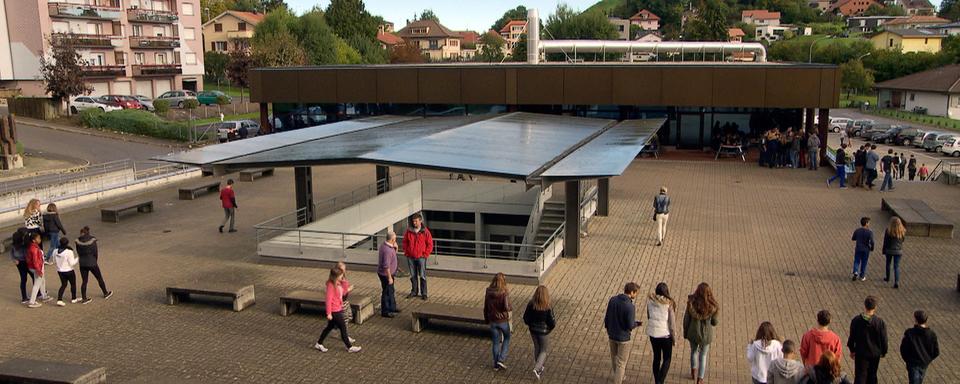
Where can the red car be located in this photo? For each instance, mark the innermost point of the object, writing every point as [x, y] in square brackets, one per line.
[125, 102]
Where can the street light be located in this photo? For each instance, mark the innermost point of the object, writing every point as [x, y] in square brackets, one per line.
[810, 56]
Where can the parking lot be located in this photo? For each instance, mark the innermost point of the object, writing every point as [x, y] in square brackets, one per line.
[931, 159]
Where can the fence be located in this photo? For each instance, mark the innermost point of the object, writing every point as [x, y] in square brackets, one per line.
[43, 108]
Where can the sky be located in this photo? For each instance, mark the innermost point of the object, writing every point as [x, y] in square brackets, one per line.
[454, 14]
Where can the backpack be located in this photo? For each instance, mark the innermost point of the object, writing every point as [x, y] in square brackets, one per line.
[20, 237]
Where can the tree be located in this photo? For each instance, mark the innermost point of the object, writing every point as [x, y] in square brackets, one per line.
[238, 68]
[854, 77]
[350, 18]
[215, 66]
[428, 14]
[565, 23]
[316, 38]
[491, 48]
[212, 8]
[950, 9]
[518, 13]
[710, 25]
[62, 70]
[406, 54]
[346, 54]
[890, 10]
[279, 50]
[370, 50]
[519, 52]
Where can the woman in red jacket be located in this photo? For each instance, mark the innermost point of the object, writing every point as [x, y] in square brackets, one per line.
[35, 265]
[335, 315]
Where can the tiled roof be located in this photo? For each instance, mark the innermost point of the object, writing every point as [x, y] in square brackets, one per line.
[760, 14]
[735, 32]
[506, 28]
[250, 17]
[917, 4]
[943, 79]
[434, 29]
[918, 19]
[925, 33]
[469, 37]
[389, 38]
[645, 15]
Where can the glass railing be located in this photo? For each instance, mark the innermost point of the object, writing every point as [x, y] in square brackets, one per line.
[83, 11]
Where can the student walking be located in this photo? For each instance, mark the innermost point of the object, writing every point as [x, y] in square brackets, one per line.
[52, 228]
[661, 213]
[619, 321]
[919, 348]
[827, 371]
[912, 167]
[794, 149]
[35, 264]
[335, 312]
[888, 167]
[345, 288]
[863, 237]
[228, 200]
[33, 219]
[841, 164]
[859, 159]
[539, 319]
[89, 264]
[813, 148]
[924, 172]
[699, 320]
[661, 326]
[786, 370]
[66, 261]
[871, 165]
[893, 248]
[417, 247]
[763, 350]
[18, 253]
[387, 272]
[819, 340]
[867, 342]
[902, 164]
[804, 139]
[496, 313]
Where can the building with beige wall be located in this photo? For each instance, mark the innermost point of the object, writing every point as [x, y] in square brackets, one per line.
[434, 40]
[143, 47]
[230, 31]
[908, 40]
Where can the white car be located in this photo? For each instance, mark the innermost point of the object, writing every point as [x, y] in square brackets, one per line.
[951, 147]
[838, 123]
[80, 103]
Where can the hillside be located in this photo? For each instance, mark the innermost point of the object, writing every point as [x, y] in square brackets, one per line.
[605, 6]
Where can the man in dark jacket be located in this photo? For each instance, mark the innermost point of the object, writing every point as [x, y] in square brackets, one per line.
[919, 348]
[841, 165]
[88, 255]
[867, 342]
[620, 321]
[859, 161]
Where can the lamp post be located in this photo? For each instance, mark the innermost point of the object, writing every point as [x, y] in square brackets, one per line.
[810, 56]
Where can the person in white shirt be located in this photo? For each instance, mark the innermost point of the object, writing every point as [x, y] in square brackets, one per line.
[66, 261]
[762, 350]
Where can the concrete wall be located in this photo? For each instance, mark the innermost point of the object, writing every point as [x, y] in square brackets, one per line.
[478, 196]
[935, 103]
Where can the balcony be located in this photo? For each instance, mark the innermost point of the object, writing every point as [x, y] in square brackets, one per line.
[81, 11]
[154, 42]
[137, 15]
[156, 69]
[248, 34]
[81, 40]
[104, 70]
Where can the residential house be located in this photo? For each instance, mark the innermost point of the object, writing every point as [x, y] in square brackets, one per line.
[512, 31]
[917, 7]
[952, 29]
[132, 46]
[735, 35]
[915, 22]
[908, 40]
[230, 31]
[468, 44]
[852, 7]
[649, 36]
[435, 41]
[494, 35]
[385, 27]
[937, 90]
[760, 17]
[780, 32]
[622, 26]
[388, 40]
[646, 20]
[865, 24]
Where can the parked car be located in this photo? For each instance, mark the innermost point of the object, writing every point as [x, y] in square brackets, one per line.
[951, 147]
[857, 127]
[838, 123]
[145, 102]
[176, 98]
[919, 142]
[872, 130]
[908, 136]
[210, 97]
[887, 136]
[122, 101]
[80, 103]
[935, 143]
[237, 130]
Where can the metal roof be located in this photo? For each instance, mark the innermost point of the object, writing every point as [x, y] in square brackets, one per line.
[517, 145]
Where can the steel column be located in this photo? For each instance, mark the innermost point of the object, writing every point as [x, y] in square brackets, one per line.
[303, 181]
[383, 179]
[571, 237]
[603, 196]
[822, 128]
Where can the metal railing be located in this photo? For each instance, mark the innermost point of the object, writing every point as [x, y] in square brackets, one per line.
[359, 195]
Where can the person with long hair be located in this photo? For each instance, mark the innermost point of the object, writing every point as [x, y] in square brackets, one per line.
[52, 228]
[33, 219]
[699, 320]
[893, 248]
[827, 371]
[335, 312]
[496, 312]
[18, 252]
[661, 326]
[539, 319]
[35, 264]
[763, 350]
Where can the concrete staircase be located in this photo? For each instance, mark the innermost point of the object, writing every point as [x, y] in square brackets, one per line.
[552, 218]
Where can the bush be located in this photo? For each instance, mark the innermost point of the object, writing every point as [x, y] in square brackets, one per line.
[191, 104]
[223, 100]
[161, 106]
[136, 122]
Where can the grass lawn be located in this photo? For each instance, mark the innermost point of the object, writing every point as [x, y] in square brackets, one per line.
[241, 116]
[232, 91]
[858, 99]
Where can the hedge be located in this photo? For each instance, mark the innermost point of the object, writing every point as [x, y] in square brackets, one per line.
[136, 122]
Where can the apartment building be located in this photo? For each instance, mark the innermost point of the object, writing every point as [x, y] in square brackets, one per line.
[230, 31]
[512, 31]
[434, 40]
[143, 47]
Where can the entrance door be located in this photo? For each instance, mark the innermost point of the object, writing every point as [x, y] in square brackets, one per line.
[690, 131]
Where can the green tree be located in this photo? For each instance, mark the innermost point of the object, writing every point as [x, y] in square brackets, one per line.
[428, 14]
[212, 8]
[280, 49]
[370, 50]
[950, 9]
[316, 38]
[519, 51]
[854, 78]
[239, 67]
[346, 54]
[890, 10]
[406, 54]
[215, 66]
[63, 72]
[491, 48]
[566, 23]
[518, 13]
[710, 25]
[350, 18]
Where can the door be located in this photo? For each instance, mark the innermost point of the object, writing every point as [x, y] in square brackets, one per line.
[690, 131]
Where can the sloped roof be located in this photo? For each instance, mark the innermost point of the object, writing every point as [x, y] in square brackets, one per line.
[389, 38]
[735, 32]
[837, 5]
[506, 27]
[434, 29]
[645, 15]
[249, 17]
[918, 19]
[761, 14]
[945, 79]
[917, 4]
[469, 37]
[918, 33]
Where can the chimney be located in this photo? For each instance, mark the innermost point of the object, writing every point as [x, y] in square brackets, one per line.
[533, 36]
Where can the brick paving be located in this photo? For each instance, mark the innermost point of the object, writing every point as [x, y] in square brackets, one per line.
[773, 243]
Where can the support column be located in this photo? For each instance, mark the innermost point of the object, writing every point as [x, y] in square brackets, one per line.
[571, 232]
[478, 233]
[303, 181]
[808, 120]
[383, 179]
[266, 126]
[603, 196]
[822, 128]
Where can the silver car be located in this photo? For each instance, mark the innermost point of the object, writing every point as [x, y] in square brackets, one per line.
[935, 143]
[236, 130]
[176, 98]
[145, 102]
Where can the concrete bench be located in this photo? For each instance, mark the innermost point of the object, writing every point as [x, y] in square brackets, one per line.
[190, 193]
[250, 174]
[361, 307]
[919, 219]
[242, 295]
[453, 313]
[35, 371]
[112, 214]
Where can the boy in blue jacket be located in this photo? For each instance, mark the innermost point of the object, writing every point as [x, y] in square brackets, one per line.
[863, 236]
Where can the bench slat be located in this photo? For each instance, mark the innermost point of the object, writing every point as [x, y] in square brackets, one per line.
[19, 370]
[361, 306]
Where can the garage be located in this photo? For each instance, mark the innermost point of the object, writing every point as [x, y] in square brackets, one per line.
[162, 86]
[100, 89]
[145, 88]
[121, 88]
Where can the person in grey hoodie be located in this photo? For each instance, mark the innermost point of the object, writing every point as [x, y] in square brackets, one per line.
[787, 370]
[764, 349]
[813, 149]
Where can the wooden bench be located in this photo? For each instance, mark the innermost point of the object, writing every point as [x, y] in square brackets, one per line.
[250, 174]
[18, 370]
[112, 214]
[918, 218]
[454, 313]
[361, 307]
[242, 295]
[190, 193]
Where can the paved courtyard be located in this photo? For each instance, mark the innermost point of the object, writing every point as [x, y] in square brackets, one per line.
[775, 245]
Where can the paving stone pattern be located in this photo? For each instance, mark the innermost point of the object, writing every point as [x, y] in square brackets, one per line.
[773, 243]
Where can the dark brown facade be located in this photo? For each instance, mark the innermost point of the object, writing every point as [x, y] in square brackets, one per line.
[747, 85]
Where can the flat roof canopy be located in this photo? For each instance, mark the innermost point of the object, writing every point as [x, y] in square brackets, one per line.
[517, 145]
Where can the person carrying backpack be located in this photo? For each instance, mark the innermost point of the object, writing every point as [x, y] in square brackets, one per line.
[18, 253]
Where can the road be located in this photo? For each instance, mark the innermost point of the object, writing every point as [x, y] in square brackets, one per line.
[95, 149]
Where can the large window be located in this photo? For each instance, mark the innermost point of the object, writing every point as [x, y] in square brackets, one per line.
[188, 9]
[219, 46]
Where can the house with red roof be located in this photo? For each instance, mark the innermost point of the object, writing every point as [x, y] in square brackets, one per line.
[760, 17]
[512, 31]
[646, 20]
[229, 31]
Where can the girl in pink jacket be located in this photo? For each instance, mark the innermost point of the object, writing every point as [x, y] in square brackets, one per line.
[335, 312]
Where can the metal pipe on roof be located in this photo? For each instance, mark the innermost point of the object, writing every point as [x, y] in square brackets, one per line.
[533, 36]
[621, 46]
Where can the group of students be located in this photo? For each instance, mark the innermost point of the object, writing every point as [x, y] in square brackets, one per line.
[30, 259]
[866, 162]
[789, 149]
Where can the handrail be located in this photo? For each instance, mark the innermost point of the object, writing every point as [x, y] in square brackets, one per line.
[533, 223]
